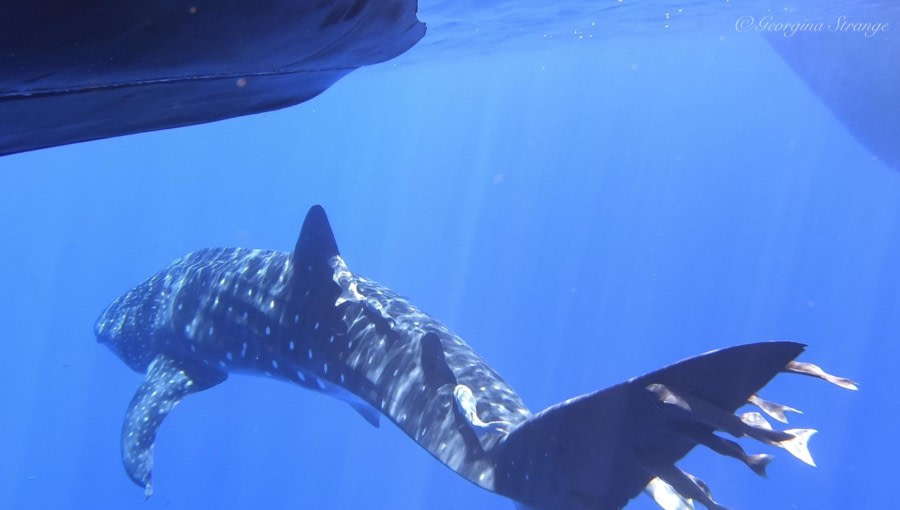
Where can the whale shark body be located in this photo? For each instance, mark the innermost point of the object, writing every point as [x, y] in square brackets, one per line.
[304, 317]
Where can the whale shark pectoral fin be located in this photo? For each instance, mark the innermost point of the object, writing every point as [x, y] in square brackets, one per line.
[367, 412]
[167, 382]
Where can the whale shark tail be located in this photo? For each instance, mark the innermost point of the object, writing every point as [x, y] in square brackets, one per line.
[598, 451]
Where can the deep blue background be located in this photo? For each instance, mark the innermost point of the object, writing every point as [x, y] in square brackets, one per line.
[581, 211]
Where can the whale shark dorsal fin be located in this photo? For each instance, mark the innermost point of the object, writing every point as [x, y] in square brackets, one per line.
[316, 238]
[167, 382]
[313, 256]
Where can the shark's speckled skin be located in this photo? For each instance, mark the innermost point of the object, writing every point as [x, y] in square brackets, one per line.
[306, 318]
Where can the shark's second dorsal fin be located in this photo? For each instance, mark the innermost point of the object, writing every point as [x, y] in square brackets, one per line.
[434, 362]
[313, 256]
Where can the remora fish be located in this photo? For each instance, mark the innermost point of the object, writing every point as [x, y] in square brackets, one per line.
[306, 318]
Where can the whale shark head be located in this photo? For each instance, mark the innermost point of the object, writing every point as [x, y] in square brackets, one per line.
[208, 305]
[132, 326]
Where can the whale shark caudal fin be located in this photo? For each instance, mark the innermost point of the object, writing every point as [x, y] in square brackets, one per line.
[597, 451]
[167, 382]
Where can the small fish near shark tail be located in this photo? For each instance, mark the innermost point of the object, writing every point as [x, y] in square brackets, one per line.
[598, 451]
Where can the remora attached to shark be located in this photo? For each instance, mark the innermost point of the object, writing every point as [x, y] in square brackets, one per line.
[306, 318]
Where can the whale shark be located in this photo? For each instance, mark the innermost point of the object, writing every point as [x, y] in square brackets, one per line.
[306, 318]
[851, 68]
[72, 73]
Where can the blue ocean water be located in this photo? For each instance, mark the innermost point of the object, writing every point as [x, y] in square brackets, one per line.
[581, 207]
